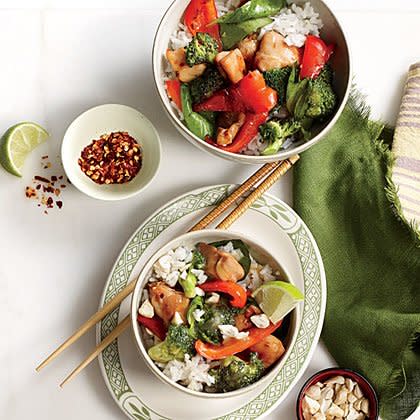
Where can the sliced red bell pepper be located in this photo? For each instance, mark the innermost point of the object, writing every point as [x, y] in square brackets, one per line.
[250, 94]
[173, 87]
[219, 101]
[315, 55]
[255, 94]
[155, 325]
[235, 291]
[198, 16]
[233, 345]
[247, 132]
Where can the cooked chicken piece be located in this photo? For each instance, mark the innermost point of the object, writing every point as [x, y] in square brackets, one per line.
[211, 254]
[243, 321]
[228, 269]
[231, 64]
[176, 58]
[226, 136]
[220, 265]
[166, 301]
[269, 350]
[248, 47]
[275, 53]
[185, 73]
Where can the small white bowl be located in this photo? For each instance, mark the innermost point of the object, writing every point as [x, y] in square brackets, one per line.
[105, 119]
[190, 239]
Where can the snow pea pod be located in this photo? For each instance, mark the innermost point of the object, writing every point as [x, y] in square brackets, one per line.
[196, 123]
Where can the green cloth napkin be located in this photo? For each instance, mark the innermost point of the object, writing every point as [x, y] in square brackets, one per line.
[343, 191]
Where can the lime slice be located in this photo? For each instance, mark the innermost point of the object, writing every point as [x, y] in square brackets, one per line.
[277, 299]
[17, 142]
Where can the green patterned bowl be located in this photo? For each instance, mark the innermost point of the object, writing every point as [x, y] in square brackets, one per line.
[190, 239]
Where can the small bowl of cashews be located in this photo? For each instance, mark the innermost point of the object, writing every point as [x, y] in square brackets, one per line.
[339, 394]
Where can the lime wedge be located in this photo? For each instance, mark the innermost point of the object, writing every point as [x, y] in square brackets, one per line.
[277, 299]
[17, 142]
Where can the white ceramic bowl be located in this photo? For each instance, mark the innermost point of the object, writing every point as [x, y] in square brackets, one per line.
[331, 32]
[104, 119]
[190, 239]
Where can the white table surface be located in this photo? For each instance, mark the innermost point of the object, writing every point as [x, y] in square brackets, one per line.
[60, 58]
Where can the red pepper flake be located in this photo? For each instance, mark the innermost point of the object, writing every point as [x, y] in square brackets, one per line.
[30, 192]
[48, 194]
[41, 179]
[114, 158]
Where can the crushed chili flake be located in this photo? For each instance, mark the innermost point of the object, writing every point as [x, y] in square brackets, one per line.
[41, 179]
[114, 158]
[45, 185]
[30, 192]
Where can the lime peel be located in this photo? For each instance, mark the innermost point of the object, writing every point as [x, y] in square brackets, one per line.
[277, 299]
[17, 142]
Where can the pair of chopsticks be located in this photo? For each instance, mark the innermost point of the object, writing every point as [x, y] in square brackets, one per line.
[270, 171]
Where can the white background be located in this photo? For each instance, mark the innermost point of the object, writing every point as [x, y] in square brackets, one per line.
[57, 60]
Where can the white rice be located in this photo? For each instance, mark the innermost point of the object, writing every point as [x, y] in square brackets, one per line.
[192, 372]
[226, 6]
[255, 147]
[180, 37]
[295, 23]
[171, 266]
[235, 252]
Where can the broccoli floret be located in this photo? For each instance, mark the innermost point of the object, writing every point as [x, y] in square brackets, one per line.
[188, 284]
[309, 100]
[235, 373]
[207, 328]
[177, 343]
[277, 80]
[206, 85]
[321, 98]
[203, 48]
[326, 75]
[198, 262]
[276, 132]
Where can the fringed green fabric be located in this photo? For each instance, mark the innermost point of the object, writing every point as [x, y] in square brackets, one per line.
[344, 191]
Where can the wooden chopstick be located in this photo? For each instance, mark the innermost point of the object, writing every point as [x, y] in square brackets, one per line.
[242, 189]
[123, 325]
[281, 169]
[258, 192]
[119, 297]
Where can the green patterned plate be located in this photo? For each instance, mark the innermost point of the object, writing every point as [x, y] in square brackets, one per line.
[135, 389]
